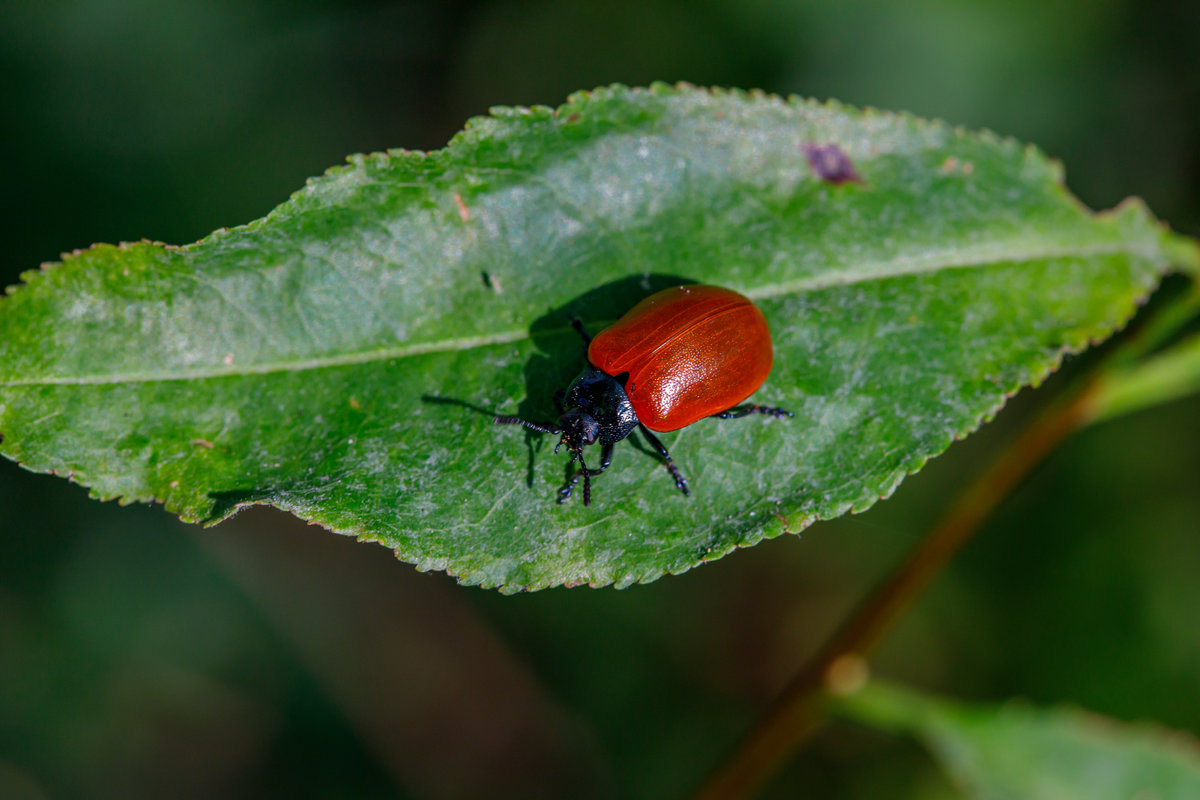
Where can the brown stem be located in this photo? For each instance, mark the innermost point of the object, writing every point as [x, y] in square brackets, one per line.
[797, 712]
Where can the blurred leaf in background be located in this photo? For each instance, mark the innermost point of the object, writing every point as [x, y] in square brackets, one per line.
[1017, 752]
[137, 659]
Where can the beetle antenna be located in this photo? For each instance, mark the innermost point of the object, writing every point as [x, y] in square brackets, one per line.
[577, 324]
[533, 426]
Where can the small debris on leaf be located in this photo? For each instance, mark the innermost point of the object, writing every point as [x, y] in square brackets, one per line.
[952, 165]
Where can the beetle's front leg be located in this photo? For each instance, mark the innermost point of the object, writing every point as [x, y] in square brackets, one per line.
[606, 454]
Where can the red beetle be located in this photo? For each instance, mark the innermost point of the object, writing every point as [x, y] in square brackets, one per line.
[676, 357]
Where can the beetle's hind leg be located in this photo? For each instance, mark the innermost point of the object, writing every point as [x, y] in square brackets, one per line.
[680, 482]
[744, 411]
[606, 453]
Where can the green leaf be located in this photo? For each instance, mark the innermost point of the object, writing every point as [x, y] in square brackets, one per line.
[1016, 752]
[341, 357]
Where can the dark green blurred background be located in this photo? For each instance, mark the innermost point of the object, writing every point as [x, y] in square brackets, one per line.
[140, 657]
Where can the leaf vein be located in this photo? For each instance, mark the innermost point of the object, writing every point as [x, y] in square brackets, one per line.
[956, 258]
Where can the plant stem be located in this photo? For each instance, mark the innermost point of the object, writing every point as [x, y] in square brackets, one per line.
[1170, 375]
[840, 664]
[1158, 329]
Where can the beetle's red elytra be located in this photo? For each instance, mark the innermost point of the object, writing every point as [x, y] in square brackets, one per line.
[691, 352]
[678, 356]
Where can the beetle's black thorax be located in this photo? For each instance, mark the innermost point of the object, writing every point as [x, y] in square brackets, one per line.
[603, 398]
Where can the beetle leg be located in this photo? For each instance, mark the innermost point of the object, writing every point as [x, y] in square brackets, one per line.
[533, 426]
[743, 411]
[680, 482]
[569, 486]
[582, 472]
[577, 324]
[587, 481]
[606, 453]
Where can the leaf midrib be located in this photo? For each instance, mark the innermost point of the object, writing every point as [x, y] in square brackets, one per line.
[990, 253]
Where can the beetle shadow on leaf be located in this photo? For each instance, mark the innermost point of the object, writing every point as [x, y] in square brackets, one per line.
[562, 354]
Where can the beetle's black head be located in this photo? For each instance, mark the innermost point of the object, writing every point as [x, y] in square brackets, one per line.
[579, 429]
[600, 401]
[595, 409]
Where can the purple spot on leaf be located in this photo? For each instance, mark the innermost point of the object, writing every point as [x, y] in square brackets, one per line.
[830, 163]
